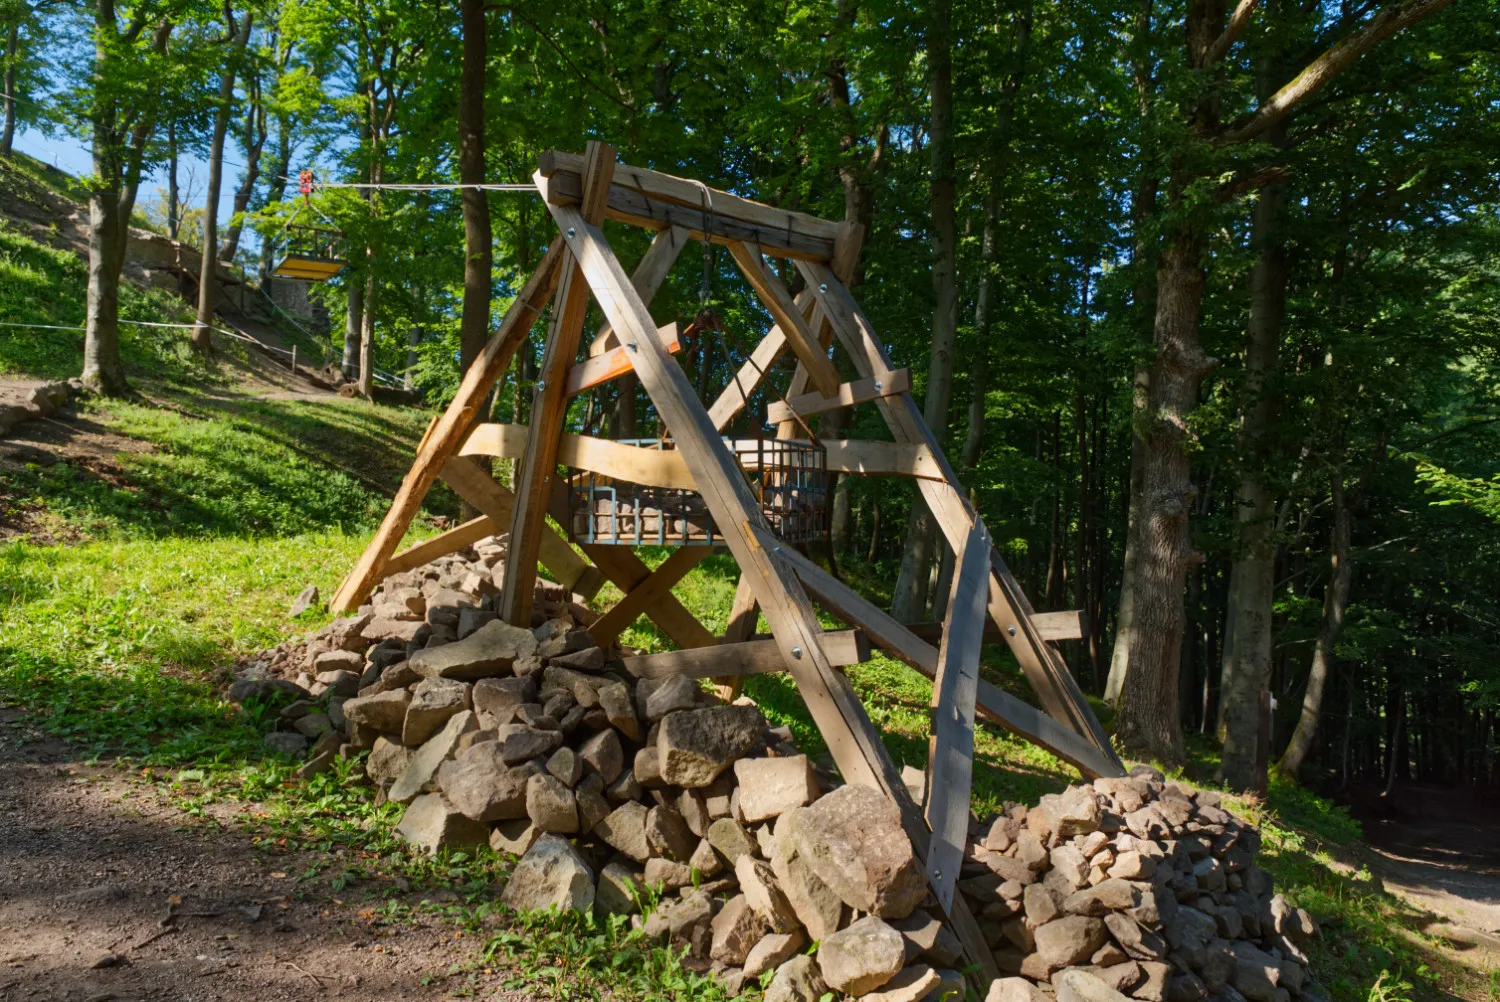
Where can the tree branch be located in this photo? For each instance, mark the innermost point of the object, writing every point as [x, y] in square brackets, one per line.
[1331, 63]
[1237, 22]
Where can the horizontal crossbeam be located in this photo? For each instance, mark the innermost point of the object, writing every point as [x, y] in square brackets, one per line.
[849, 394]
[751, 657]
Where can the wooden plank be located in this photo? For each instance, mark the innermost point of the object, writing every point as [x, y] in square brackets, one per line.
[647, 593]
[736, 393]
[849, 394]
[750, 657]
[474, 485]
[443, 544]
[774, 295]
[549, 406]
[1066, 625]
[627, 571]
[744, 613]
[612, 364]
[649, 274]
[1008, 606]
[682, 191]
[950, 750]
[444, 437]
[633, 463]
[995, 704]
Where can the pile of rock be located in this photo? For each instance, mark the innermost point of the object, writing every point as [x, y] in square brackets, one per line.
[1147, 885]
[543, 745]
[39, 402]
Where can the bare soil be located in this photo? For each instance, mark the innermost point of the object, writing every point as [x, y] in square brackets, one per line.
[110, 892]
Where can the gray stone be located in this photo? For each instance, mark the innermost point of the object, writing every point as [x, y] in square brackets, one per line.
[514, 837]
[686, 922]
[480, 785]
[552, 874]
[758, 880]
[695, 746]
[861, 958]
[1071, 939]
[1112, 894]
[566, 766]
[1081, 986]
[671, 694]
[313, 725]
[927, 937]
[706, 860]
[797, 980]
[520, 743]
[1257, 974]
[285, 743]
[736, 929]
[604, 754]
[625, 831]
[853, 840]
[615, 701]
[433, 702]
[769, 787]
[551, 805]
[815, 904]
[729, 837]
[388, 759]
[1039, 904]
[1139, 943]
[773, 950]
[619, 887]
[589, 659]
[592, 806]
[384, 712]
[489, 651]
[430, 823]
[667, 874]
[668, 834]
[647, 768]
[424, 762]
[470, 620]
[497, 699]
[911, 985]
[1015, 990]
[268, 690]
[339, 660]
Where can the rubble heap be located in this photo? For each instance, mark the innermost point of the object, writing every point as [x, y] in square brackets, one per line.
[1148, 885]
[543, 745]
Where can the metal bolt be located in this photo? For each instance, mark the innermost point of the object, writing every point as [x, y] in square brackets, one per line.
[877, 386]
[937, 874]
[631, 345]
[1011, 629]
[571, 231]
[823, 287]
[796, 652]
[541, 384]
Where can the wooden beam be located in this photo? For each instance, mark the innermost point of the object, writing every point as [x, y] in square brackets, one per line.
[443, 438]
[950, 750]
[736, 393]
[627, 571]
[549, 405]
[469, 480]
[997, 705]
[744, 613]
[647, 593]
[636, 464]
[1008, 606]
[881, 459]
[653, 199]
[650, 273]
[849, 394]
[774, 295]
[750, 657]
[1059, 625]
[612, 364]
[443, 544]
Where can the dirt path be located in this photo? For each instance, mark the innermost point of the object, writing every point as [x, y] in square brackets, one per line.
[1442, 853]
[109, 893]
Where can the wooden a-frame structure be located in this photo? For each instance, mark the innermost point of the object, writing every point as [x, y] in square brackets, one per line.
[581, 192]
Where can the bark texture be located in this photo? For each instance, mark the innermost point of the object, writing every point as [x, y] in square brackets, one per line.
[208, 282]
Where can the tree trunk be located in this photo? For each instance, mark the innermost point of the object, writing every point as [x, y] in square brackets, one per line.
[478, 237]
[255, 141]
[1247, 651]
[984, 307]
[208, 284]
[12, 43]
[1335, 605]
[367, 338]
[102, 369]
[353, 317]
[1148, 707]
[276, 192]
[909, 602]
[413, 338]
[174, 194]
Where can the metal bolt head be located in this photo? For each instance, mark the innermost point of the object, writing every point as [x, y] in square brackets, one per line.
[823, 287]
[571, 232]
[631, 345]
[877, 386]
[796, 652]
[1011, 629]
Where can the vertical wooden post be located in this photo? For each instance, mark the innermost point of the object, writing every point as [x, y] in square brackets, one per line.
[550, 405]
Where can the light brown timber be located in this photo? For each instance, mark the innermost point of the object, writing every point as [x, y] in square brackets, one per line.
[773, 293]
[647, 593]
[650, 272]
[611, 364]
[750, 657]
[849, 394]
[443, 544]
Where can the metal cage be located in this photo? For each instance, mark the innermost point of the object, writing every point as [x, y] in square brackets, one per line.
[311, 253]
[789, 479]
